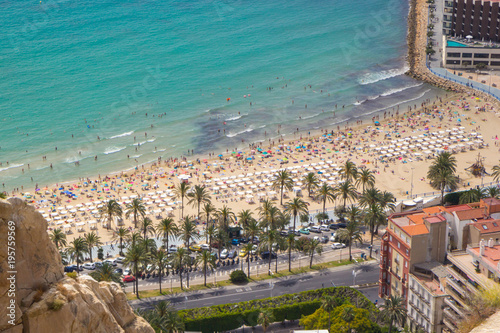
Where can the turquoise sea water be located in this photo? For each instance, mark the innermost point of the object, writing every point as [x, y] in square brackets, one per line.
[82, 75]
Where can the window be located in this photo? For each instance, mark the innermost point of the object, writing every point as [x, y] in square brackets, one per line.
[495, 224]
[466, 55]
[406, 263]
[390, 238]
[495, 55]
[454, 54]
[485, 227]
[481, 55]
[399, 245]
[495, 63]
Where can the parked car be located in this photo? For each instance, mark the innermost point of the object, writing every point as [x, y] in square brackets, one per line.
[224, 254]
[324, 239]
[205, 247]
[256, 240]
[89, 265]
[119, 271]
[284, 233]
[127, 271]
[243, 240]
[172, 249]
[70, 268]
[316, 238]
[235, 241]
[112, 262]
[232, 255]
[214, 255]
[333, 226]
[342, 225]
[120, 260]
[128, 278]
[195, 248]
[297, 232]
[98, 264]
[324, 227]
[333, 237]
[265, 255]
[254, 249]
[304, 231]
[338, 246]
[243, 253]
[315, 229]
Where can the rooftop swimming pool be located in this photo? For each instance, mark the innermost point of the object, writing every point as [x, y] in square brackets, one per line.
[452, 43]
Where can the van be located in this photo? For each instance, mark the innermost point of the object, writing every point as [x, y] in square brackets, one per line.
[315, 229]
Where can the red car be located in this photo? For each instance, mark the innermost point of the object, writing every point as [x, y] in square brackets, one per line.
[128, 278]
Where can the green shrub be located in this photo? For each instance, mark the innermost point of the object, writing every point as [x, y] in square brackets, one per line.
[72, 275]
[322, 216]
[56, 304]
[238, 276]
[226, 317]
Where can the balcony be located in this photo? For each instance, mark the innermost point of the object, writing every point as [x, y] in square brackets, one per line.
[457, 285]
[452, 316]
[449, 326]
[420, 312]
[455, 306]
[456, 296]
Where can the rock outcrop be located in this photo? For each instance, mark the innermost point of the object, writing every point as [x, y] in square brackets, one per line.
[41, 298]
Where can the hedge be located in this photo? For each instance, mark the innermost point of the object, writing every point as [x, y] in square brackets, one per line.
[226, 317]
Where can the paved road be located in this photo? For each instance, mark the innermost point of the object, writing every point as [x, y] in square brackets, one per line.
[340, 276]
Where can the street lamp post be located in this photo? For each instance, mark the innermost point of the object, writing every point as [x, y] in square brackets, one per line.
[489, 86]
[411, 190]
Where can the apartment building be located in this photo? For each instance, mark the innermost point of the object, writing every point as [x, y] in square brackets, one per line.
[426, 297]
[479, 19]
[469, 272]
[410, 238]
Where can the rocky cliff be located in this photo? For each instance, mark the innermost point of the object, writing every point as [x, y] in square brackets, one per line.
[36, 296]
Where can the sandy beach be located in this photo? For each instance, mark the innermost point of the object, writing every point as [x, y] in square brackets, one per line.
[396, 149]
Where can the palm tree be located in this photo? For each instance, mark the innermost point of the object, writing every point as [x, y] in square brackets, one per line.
[225, 215]
[106, 272]
[472, 195]
[207, 261]
[208, 210]
[290, 245]
[348, 316]
[120, 234]
[252, 229]
[374, 216]
[58, 237]
[388, 201]
[370, 197]
[135, 208]
[265, 318]
[159, 260]
[329, 303]
[180, 259]
[134, 238]
[273, 219]
[283, 181]
[346, 191]
[442, 172]
[493, 192]
[77, 248]
[244, 217]
[181, 191]
[111, 209]
[147, 227]
[351, 233]
[92, 240]
[326, 193]
[209, 235]
[496, 173]
[353, 213]
[136, 256]
[311, 182]
[314, 246]
[249, 248]
[199, 195]
[188, 231]
[394, 311]
[173, 322]
[268, 239]
[349, 171]
[295, 207]
[442, 178]
[366, 179]
[167, 228]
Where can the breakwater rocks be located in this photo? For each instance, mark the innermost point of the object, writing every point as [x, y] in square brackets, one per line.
[416, 57]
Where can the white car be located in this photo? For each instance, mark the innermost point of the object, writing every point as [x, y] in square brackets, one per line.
[333, 237]
[205, 247]
[316, 238]
[254, 249]
[224, 254]
[112, 262]
[338, 246]
[120, 260]
[172, 249]
[127, 271]
[89, 265]
[324, 227]
[315, 229]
